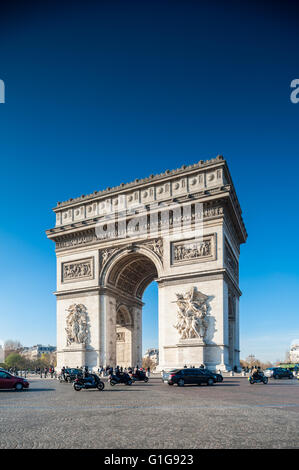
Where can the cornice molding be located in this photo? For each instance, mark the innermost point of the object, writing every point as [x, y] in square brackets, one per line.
[185, 169]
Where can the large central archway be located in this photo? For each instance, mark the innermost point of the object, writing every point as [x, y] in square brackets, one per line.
[125, 277]
[132, 274]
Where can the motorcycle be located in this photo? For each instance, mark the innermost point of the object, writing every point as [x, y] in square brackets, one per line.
[261, 378]
[139, 377]
[122, 378]
[88, 382]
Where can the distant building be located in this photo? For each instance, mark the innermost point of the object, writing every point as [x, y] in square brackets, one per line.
[1, 353]
[35, 352]
[294, 353]
[153, 354]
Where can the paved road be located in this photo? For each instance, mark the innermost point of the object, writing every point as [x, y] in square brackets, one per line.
[233, 414]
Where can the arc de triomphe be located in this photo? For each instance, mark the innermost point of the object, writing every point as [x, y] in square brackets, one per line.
[182, 228]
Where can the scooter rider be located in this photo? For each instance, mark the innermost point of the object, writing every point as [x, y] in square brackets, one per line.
[87, 376]
[255, 372]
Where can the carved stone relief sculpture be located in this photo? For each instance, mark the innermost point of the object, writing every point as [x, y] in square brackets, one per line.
[76, 325]
[106, 254]
[185, 251]
[192, 315]
[77, 270]
[156, 246]
[120, 336]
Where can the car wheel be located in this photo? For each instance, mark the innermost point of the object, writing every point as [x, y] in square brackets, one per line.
[77, 387]
[265, 380]
[129, 382]
[19, 387]
[181, 383]
[146, 379]
[170, 383]
[210, 382]
[276, 376]
[112, 383]
[100, 386]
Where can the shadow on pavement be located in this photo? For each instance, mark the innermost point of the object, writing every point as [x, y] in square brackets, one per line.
[123, 389]
[230, 384]
[285, 384]
[209, 387]
[29, 390]
[109, 390]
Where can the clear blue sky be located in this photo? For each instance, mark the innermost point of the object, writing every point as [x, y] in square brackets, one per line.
[99, 93]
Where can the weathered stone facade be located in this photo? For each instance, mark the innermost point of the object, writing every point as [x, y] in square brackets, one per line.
[105, 267]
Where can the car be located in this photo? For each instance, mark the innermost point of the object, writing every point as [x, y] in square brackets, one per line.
[70, 375]
[278, 373]
[187, 376]
[9, 381]
[219, 377]
[165, 375]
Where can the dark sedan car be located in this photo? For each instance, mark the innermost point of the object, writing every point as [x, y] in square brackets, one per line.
[219, 377]
[185, 376]
[70, 375]
[9, 381]
[279, 373]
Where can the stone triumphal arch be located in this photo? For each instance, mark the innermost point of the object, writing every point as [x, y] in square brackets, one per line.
[182, 228]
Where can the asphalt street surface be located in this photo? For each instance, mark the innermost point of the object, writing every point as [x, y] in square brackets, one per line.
[232, 414]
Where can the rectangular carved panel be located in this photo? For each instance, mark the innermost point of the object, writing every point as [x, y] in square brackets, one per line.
[193, 251]
[120, 336]
[79, 270]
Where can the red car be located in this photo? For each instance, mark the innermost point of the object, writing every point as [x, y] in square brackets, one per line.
[8, 381]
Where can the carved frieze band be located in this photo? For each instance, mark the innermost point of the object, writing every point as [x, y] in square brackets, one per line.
[89, 236]
[76, 239]
[193, 251]
[80, 270]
